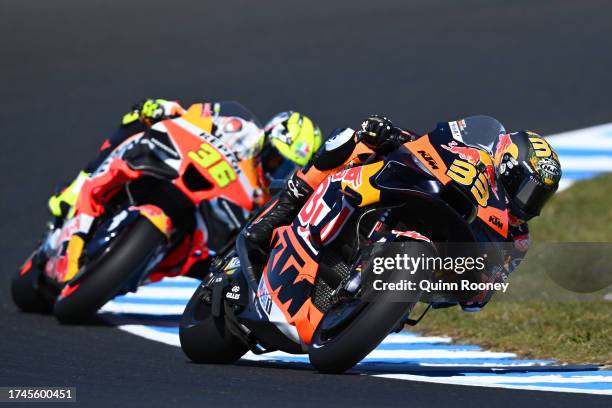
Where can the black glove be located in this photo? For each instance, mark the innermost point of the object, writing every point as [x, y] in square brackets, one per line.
[376, 131]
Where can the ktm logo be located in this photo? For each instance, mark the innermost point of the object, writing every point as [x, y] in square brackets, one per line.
[283, 276]
[496, 221]
[427, 157]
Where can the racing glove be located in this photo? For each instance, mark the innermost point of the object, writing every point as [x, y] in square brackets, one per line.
[375, 131]
[150, 111]
[379, 134]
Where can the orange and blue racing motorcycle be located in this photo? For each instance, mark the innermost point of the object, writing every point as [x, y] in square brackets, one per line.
[311, 295]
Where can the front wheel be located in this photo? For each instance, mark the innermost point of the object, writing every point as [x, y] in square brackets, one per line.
[335, 351]
[125, 258]
[206, 338]
[351, 329]
[26, 291]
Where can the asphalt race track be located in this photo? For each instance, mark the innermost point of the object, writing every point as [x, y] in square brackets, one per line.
[70, 69]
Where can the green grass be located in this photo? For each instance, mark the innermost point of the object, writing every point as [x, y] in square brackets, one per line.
[571, 331]
[582, 213]
[579, 332]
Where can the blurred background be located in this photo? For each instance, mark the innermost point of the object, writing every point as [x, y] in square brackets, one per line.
[69, 69]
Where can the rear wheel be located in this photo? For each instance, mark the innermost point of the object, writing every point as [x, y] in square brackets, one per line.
[206, 338]
[125, 258]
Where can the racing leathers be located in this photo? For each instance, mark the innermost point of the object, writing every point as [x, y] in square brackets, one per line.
[518, 232]
[142, 116]
[344, 147]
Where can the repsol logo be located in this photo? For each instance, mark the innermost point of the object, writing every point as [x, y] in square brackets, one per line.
[430, 160]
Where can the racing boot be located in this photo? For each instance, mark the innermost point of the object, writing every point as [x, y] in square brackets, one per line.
[61, 204]
[278, 212]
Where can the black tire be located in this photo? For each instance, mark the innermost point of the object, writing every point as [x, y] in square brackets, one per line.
[125, 258]
[25, 289]
[362, 335]
[206, 338]
[365, 326]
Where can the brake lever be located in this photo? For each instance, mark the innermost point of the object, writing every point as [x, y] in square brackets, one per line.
[402, 135]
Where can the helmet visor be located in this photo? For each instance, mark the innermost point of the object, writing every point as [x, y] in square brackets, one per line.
[531, 196]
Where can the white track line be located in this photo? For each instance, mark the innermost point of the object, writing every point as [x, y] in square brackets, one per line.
[404, 339]
[596, 137]
[592, 163]
[157, 292]
[137, 308]
[143, 331]
[487, 383]
[415, 354]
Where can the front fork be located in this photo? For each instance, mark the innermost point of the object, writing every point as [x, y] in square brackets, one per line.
[351, 286]
[226, 290]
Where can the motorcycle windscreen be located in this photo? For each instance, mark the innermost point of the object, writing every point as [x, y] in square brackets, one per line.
[238, 128]
[232, 108]
[478, 131]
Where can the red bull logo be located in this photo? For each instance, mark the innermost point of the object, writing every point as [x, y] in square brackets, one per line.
[411, 235]
[471, 154]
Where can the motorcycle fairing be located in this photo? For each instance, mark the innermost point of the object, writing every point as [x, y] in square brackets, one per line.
[224, 221]
[200, 115]
[157, 217]
[357, 180]
[116, 154]
[289, 278]
[109, 230]
[191, 251]
[105, 235]
[272, 313]
[469, 168]
[157, 153]
[214, 161]
[253, 316]
[290, 274]
[427, 154]
[179, 146]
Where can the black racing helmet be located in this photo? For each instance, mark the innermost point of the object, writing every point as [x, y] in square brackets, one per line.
[529, 170]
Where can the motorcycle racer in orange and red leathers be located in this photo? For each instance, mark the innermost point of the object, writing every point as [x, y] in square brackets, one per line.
[524, 163]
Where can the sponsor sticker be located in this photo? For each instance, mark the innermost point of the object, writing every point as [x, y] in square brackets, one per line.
[265, 301]
[456, 130]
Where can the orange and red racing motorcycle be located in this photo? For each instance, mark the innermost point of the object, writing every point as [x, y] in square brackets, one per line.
[161, 204]
[311, 297]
